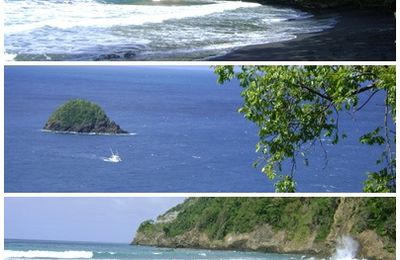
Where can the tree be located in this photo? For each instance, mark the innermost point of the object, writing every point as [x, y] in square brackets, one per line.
[294, 107]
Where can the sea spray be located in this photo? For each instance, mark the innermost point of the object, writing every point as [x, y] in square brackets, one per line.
[346, 248]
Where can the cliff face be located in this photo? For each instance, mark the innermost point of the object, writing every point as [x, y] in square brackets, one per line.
[284, 225]
[83, 117]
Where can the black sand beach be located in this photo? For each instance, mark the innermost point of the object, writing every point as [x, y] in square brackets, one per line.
[362, 35]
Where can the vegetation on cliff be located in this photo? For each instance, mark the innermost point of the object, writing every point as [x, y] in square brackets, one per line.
[309, 224]
[83, 117]
[378, 214]
[297, 107]
[219, 216]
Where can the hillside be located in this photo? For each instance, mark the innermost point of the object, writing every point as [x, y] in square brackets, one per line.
[284, 225]
[81, 116]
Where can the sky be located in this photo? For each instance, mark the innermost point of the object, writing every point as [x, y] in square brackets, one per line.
[81, 219]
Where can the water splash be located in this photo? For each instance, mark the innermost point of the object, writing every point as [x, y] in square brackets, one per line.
[346, 248]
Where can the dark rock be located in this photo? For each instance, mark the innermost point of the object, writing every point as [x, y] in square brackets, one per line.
[129, 55]
[111, 56]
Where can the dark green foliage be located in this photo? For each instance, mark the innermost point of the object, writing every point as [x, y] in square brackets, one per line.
[373, 137]
[380, 181]
[78, 112]
[324, 210]
[379, 214]
[296, 107]
[286, 185]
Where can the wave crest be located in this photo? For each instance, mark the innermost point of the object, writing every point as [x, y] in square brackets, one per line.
[65, 16]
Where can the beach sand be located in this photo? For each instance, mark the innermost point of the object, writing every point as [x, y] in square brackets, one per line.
[360, 35]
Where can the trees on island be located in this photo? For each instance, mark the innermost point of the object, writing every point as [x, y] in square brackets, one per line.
[296, 107]
[81, 116]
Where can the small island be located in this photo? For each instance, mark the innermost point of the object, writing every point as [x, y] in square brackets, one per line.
[81, 116]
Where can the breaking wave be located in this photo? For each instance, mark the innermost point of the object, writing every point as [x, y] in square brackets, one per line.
[146, 29]
[93, 14]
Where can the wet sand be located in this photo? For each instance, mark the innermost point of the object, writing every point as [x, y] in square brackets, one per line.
[359, 35]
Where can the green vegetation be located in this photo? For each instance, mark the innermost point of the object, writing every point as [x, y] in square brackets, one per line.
[78, 112]
[296, 107]
[299, 217]
[378, 214]
[81, 116]
[217, 217]
[147, 227]
[281, 224]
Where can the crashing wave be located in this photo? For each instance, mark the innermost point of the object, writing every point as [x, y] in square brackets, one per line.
[346, 249]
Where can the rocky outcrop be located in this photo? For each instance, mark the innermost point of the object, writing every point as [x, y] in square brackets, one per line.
[263, 238]
[347, 218]
[81, 116]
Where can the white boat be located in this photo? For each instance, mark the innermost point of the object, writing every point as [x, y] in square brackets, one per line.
[113, 158]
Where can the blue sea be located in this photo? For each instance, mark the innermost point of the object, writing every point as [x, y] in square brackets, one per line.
[186, 135]
[146, 29]
[36, 249]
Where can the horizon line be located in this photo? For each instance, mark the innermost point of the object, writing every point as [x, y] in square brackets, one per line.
[56, 240]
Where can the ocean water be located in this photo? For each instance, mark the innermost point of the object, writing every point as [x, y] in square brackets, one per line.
[30, 249]
[145, 29]
[186, 135]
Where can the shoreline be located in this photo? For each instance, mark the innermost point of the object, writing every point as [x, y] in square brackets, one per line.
[238, 249]
[84, 133]
[360, 34]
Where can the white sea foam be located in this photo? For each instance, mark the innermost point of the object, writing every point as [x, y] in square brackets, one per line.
[111, 253]
[346, 249]
[48, 254]
[89, 29]
[94, 14]
[9, 56]
[275, 20]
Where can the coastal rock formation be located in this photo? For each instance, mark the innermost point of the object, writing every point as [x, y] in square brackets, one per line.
[312, 226]
[81, 116]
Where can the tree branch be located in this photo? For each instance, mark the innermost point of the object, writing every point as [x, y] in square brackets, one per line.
[366, 88]
[369, 98]
[316, 92]
[387, 139]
